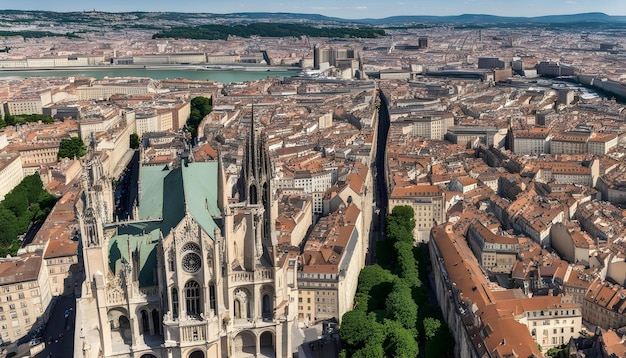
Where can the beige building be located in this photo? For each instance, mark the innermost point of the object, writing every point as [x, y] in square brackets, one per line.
[550, 321]
[602, 143]
[24, 106]
[104, 90]
[572, 244]
[534, 141]
[39, 153]
[147, 123]
[330, 264]
[569, 143]
[11, 172]
[60, 255]
[494, 252]
[24, 295]
[605, 305]
[294, 219]
[428, 203]
[432, 127]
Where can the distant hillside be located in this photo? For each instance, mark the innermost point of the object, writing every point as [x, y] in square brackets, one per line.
[95, 20]
[592, 17]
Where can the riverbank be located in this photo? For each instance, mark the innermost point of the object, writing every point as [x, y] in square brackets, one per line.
[207, 67]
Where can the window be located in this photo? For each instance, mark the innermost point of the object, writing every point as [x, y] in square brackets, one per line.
[21, 296]
[192, 298]
[175, 302]
[11, 306]
[212, 302]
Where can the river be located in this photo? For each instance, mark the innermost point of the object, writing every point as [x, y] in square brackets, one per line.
[156, 73]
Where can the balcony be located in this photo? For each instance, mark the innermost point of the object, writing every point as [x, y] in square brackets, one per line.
[262, 275]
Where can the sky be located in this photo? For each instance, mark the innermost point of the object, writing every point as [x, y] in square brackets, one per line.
[348, 9]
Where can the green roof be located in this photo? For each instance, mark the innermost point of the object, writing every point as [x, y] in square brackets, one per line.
[165, 196]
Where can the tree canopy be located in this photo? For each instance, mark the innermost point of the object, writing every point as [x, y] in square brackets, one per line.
[200, 107]
[27, 202]
[73, 147]
[134, 141]
[11, 120]
[391, 296]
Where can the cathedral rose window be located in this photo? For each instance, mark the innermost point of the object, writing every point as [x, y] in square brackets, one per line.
[192, 262]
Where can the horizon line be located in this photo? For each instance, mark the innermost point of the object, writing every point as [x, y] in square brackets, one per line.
[306, 13]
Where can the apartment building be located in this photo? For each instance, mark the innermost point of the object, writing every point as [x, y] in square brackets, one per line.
[428, 203]
[105, 89]
[478, 328]
[24, 295]
[294, 218]
[490, 136]
[147, 122]
[551, 321]
[572, 244]
[569, 143]
[11, 173]
[605, 305]
[534, 141]
[24, 106]
[432, 127]
[602, 143]
[494, 252]
[60, 255]
[314, 184]
[488, 322]
[37, 154]
[329, 266]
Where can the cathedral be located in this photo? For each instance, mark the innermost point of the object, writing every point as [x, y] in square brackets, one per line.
[192, 274]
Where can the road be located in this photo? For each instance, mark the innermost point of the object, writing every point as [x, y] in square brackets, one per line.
[380, 182]
[59, 324]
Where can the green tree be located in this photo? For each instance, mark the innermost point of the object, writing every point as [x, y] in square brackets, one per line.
[73, 147]
[431, 327]
[406, 214]
[134, 141]
[400, 342]
[406, 266]
[371, 350]
[9, 120]
[27, 202]
[400, 305]
[375, 282]
[441, 344]
[200, 107]
[358, 328]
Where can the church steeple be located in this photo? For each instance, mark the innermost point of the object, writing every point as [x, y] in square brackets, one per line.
[255, 186]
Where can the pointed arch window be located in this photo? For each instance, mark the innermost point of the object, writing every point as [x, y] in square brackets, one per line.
[174, 302]
[212, 302]
[192, 298]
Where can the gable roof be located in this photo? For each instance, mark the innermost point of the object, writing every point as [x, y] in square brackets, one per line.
[165, 196]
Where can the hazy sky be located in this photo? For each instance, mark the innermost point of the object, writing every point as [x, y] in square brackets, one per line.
[349, 9]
